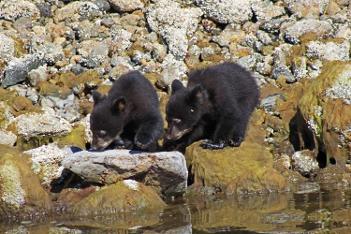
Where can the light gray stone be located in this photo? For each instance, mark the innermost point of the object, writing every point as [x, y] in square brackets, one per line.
[294, 31]
[46, 162]
[283, 71]
[299, 67]
[7, 138]
[174, 24]
[37, 75]
[93, 52]
[41, 124]
[78, 10]
[120, 39]
[328, 51]
[341, 89]
[126, 5]
[12, 10]
[7, 47]
[305, 163]
[172, 69]
[67, 108]
[18, 68]
[266, 10]
[269, 103]
[166, 170]
[226, 11]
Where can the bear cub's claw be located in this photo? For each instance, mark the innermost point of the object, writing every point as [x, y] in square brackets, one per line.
[209, 144]
[212, 145]
[235, 142]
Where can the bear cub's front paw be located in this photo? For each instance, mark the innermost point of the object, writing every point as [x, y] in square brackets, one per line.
[143, 141]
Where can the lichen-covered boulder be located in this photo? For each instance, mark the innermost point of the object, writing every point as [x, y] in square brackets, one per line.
[12, 10]
[123, 197]
[294, 31]
[244, 169]
[126, 5]
[47, 162]
[332, 50]
[326, 108]
[41, 124]
[174, 24]
[20, 191]
[165, 171]
[78, 10]
[225, 11]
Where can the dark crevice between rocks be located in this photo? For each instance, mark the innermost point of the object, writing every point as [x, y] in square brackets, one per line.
[221, 26]
[191, 176]
[302, 137]
[254, 16]
[68, 179]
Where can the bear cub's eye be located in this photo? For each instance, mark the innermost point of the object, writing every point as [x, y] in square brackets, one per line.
[192, 110]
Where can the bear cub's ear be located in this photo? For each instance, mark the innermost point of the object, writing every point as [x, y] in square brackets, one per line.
[176, 85]
[198, 94]
[97, 97]
[119, 104]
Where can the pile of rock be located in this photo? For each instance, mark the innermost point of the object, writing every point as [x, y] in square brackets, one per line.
[53, 53]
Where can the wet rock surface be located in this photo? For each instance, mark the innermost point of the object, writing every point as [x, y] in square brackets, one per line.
[166, 171]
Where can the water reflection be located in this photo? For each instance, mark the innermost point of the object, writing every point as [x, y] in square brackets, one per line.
[322, 211]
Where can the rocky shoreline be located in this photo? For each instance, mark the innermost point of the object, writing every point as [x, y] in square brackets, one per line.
[54, 53]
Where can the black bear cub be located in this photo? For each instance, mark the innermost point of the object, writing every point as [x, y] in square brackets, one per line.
[216, 105]
[128, 117]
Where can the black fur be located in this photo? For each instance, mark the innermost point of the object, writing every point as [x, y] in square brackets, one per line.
[128, 116]
[216, 105]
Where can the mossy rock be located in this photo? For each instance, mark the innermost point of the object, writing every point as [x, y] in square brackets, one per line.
[20, 191]
[62, 85]
[75, 138]
[123, 197]
[326, 107]
[18, 105]
[235, 170]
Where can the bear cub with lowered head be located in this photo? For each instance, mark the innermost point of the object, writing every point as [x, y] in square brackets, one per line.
[128, 117]
[216, 105]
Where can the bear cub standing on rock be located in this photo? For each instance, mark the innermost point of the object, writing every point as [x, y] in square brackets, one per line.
[216, 105]
[128, 116]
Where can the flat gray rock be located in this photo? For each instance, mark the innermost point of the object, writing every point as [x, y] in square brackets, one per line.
[166, 171]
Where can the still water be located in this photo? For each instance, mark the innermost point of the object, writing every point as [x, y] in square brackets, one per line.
[313, 212]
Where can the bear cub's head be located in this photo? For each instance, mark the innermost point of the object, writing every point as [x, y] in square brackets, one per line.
[107, 119]
[185, 109]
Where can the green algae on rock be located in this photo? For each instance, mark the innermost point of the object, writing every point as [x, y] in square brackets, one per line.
[123, 197]
[244, 169]
[62, 85]
[76, 137]
[20, 191]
